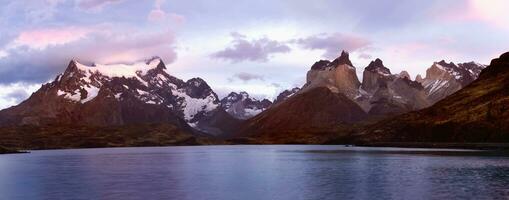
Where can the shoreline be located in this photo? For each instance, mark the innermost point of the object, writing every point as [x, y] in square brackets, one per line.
[437, 145]
[423, 145]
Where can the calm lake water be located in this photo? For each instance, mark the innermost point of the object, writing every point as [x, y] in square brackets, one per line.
[254, 172]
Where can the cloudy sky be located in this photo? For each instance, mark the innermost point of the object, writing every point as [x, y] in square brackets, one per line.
[261, 46]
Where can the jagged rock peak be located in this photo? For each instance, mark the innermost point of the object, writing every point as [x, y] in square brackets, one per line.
[419, 78]
[445, 64]
[343, 59]
[320, 65]
[404, 74]
[378, 66]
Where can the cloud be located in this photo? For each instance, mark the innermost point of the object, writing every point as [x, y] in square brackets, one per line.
[493, 11]
[365, 56]
[42, 12]
[246, 77]
[94, 4]
[257, 50]
[42, 38]
[157, 13]
[332, 44]
[102, 45]
[12, 94]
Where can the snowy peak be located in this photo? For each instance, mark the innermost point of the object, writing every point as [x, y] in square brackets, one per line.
[286, 94]
[198, 88]
[464, 73]
[473, 68]
[242, 106]
[443, 79]
[137, 69]
[145, 81]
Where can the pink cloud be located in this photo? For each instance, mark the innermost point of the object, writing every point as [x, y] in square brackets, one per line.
[95, 4]
[158, 14]
[492, 12]
[42, 38]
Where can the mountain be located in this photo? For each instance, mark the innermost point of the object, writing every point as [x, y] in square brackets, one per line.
[242, 106]
[442, 78]
[338, 75]
[381, 93]
[477, 113]
[286, 94]
[333, 102]
[219, 123]
[388, 94]
[314, 114]
[115, 95]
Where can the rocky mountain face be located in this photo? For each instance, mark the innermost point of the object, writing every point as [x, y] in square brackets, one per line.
[242, 106]
[477, 113]
[442, 78]
[319, 105]
[338, 75]
[380, 93]
[390, 94]
[115, 95]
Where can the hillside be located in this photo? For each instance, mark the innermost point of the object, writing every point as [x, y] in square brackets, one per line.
[477, 113]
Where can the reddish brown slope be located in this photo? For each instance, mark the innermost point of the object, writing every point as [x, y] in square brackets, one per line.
[310, 117]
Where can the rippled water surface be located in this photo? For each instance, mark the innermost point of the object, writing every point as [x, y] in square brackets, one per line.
[254, 172]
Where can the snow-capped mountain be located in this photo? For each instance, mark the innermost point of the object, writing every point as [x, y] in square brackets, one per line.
[147, 81]
[242, 106]
[442, 78]
[115, 94]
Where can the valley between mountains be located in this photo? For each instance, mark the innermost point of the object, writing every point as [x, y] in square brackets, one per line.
[141, 104]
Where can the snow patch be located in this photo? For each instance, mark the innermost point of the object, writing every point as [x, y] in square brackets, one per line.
[193, 106]
[249, 112]
[70, 96]
[91, 93]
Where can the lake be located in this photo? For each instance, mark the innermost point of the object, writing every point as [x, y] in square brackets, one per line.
[254, 172]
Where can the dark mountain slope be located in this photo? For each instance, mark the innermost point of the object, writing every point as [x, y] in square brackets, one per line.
[313, 114]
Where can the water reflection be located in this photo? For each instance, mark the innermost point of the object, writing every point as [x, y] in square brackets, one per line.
[254, 172]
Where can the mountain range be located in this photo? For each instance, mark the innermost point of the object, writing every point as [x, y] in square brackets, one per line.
[332, 104]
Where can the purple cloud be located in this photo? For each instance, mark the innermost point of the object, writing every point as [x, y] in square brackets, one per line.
[365, 56]
[246, 77]
[258, 50]
[334, 43]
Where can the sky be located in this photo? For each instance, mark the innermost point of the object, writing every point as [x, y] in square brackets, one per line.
[262, 47]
